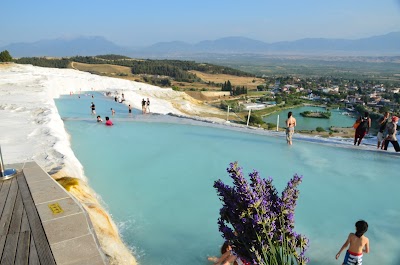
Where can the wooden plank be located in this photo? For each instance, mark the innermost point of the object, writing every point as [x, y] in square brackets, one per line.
[5, 219]
[33, 255]
[10, 249]
[24, 224]
[39, 236]
[22, 255]
[16, 219]
[2, 244]
[4, 193]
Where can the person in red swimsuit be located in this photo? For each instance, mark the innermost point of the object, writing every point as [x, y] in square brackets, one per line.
[108, 122]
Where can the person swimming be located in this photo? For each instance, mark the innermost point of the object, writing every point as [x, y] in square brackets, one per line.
[227, 256]
[108, 122]
[99, 119]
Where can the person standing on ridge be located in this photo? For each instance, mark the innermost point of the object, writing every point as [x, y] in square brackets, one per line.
[363, 128]
[129, 109]
[382, 126]
[290, 124]
[143, 106]
[148, 105]
[391, 134]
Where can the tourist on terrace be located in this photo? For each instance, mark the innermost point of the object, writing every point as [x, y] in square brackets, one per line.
[362, 128]
[391, 136]
[290, 124]
[143, 106]
[382, 127]
[148, 105]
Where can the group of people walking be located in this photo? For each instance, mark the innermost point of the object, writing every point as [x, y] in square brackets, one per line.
[387, 130]
[386, 134]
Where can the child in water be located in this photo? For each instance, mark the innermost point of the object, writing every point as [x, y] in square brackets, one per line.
[358, 244]
[226, 257]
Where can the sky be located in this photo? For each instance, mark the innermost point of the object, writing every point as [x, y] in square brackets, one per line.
[135, 23]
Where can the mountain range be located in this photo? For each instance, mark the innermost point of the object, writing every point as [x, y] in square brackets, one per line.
[381, 45]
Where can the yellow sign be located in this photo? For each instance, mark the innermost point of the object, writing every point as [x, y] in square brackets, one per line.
[56, 208]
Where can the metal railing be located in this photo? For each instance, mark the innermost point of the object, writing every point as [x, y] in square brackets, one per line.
[5, 173]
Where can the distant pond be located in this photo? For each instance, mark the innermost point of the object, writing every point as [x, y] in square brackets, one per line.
[338, 118]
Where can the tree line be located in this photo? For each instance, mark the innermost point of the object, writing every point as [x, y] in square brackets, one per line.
[178, 70]
[44, 62]
[235, 91]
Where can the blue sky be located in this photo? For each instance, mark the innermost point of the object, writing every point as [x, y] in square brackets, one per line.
[138, 23]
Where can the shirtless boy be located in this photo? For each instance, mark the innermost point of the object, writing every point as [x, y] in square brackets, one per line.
[358, 244]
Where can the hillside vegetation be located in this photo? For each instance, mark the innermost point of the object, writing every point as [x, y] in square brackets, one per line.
[102, 69]
[247, 81]
[179, 70]
[180, 75]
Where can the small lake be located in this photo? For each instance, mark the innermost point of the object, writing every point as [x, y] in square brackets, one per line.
[337, 118]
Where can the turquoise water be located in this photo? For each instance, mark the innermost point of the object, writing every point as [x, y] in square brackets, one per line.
[156, 179]
[337, 119]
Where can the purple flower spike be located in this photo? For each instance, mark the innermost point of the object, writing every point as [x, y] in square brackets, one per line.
[256, 221]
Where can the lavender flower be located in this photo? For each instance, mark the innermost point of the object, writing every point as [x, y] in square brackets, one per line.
[257, 222]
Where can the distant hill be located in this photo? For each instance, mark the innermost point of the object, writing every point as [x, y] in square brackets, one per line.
[65, 47]
[384, 44]
[387, 44]
[378, 45]
[223, 45]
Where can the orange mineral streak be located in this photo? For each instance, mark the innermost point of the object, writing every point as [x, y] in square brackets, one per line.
[105, 228]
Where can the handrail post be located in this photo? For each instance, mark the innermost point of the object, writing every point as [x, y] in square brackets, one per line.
[5, 173]
[277, 123]
[248, 118]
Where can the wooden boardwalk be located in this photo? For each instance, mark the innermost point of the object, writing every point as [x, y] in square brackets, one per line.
[22, 236]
